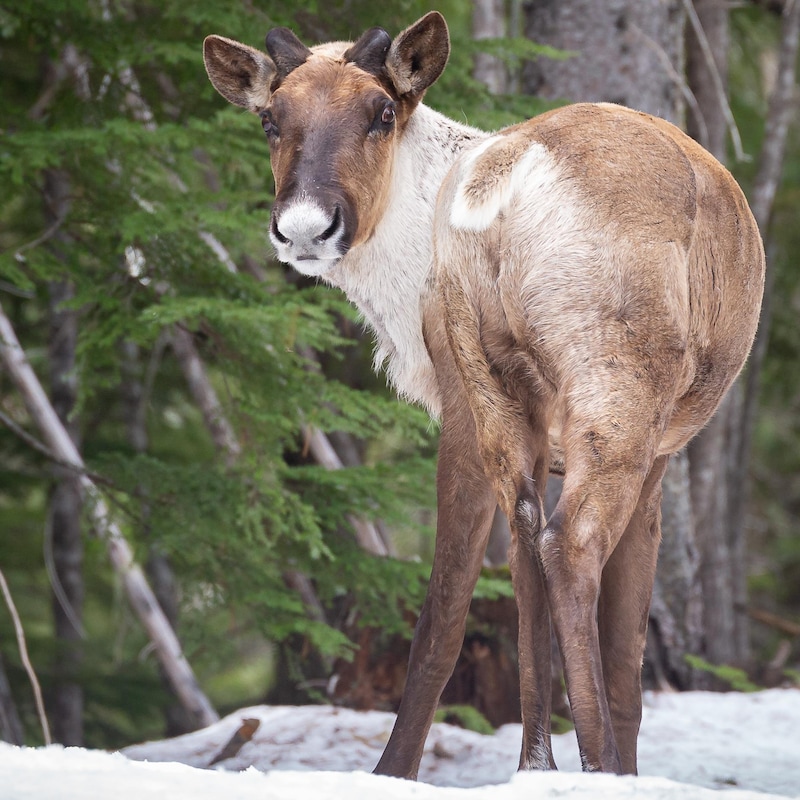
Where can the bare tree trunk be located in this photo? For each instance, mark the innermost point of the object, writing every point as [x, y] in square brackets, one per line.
[139, 593]
[720, 543]
[64, 542]
[489, 22]
[676, 614]
[782, 105]
[626, 52]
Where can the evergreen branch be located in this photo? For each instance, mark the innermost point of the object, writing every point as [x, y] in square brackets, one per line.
[120, 553]
[26, 662]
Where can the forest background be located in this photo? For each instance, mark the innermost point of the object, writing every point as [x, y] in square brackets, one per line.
[227, 413]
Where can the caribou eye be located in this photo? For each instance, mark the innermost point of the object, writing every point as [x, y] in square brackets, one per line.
[388, 114]
[268, 124]
[384, 119]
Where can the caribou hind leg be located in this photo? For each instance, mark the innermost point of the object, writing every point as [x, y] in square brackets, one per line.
[604, 480]
[534, 634]
[512, 441]
[625, 593]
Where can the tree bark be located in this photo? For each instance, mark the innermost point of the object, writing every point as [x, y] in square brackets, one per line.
[676, 613]
[720, 542]
[622, 52]
[489, 22]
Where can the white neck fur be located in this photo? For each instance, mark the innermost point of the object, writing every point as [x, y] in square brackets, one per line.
[385, 276]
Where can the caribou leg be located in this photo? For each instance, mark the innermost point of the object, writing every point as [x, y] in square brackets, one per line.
[513, 442]
[625, 593]
[535, 671]
[466, 504]
[601, 491]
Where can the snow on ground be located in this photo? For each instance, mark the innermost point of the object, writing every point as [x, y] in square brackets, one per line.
[693, 746]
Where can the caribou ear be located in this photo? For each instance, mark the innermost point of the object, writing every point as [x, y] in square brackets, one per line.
[418, 55]
[369, 52]
[241, 74]
[287, 51]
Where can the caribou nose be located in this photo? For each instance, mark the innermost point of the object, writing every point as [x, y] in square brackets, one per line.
[307, 229]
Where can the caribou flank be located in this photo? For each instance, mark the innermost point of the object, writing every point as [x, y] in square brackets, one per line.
[572, 294]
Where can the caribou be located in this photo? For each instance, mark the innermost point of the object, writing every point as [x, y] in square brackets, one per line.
[573, 295]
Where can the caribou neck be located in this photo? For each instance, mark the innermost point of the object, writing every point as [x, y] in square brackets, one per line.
[385, 277]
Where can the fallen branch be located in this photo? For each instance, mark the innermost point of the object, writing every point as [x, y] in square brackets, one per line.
[136, 587]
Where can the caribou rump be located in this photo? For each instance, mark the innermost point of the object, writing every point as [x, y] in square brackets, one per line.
[573, 294]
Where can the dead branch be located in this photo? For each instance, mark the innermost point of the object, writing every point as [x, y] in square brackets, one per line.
[679, 80]
[781, 624]
[204, 394]
[35, 444]
[26, 662]
[719, 85]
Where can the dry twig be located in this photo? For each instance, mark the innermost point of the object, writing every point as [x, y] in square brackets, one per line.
[26, 662]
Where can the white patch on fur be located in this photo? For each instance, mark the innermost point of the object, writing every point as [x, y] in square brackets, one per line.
[385, 277]
[538, 758]
[534, 171]
[302, 223]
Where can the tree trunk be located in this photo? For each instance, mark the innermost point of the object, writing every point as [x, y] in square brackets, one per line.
[489, 22]
[65, 506]
[625, 52]
[676, 613]
[782, 106]
[720, 542]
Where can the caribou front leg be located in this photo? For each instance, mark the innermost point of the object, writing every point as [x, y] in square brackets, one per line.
[466, 504]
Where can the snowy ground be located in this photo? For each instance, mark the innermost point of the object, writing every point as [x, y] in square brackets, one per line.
[692, 746]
